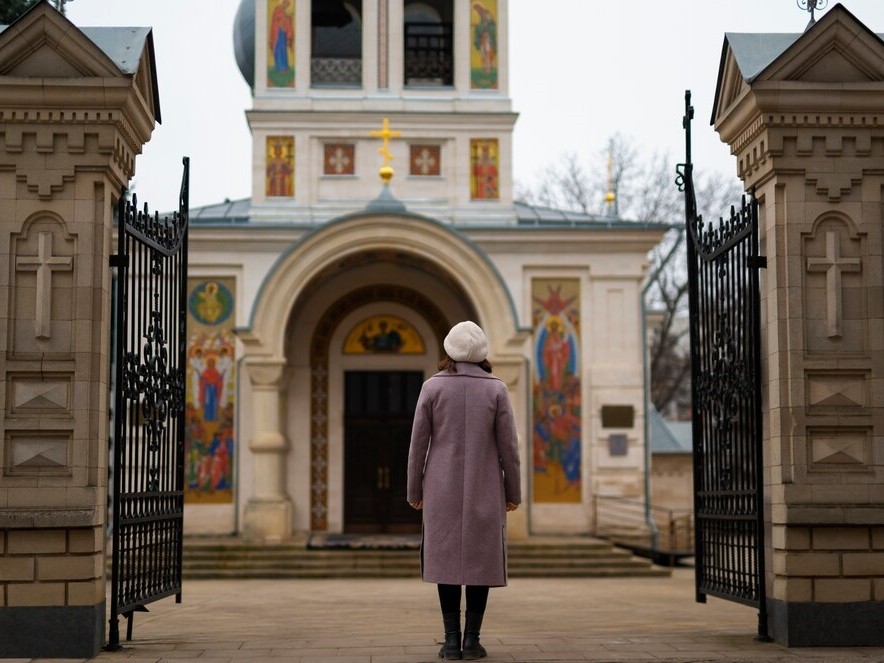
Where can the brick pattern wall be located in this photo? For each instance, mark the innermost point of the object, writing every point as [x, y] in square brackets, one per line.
[828, 564]
[52, 567]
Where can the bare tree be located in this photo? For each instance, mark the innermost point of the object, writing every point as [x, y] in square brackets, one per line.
[565, 185]
[645, 191]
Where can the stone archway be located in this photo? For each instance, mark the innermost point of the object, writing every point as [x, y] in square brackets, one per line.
[437, 244]
[468, 272]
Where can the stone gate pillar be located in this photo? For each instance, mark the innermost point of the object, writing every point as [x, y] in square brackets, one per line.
[807, 128]
[72, 119]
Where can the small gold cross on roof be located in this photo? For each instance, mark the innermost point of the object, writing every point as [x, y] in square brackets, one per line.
[385, 134]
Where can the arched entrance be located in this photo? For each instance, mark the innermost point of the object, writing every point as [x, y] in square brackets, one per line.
[349, 274]
[376, 389]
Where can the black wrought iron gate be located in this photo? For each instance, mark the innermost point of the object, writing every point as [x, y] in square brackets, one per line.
[147, 499]
[723, 264]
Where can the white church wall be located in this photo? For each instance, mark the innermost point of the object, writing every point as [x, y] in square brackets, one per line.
[611, 371]
[217, 518]
[249, 264]
[320, 197]
[610, 281]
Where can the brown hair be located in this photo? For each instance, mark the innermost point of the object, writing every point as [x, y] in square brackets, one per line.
[448, 364]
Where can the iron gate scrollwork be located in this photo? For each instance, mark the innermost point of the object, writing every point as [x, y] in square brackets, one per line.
[723, 264]
[148, 411]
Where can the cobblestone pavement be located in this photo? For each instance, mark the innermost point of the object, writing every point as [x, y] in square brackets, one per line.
[397, 621]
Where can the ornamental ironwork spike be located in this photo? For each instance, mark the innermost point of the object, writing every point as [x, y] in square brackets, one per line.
[811, 6]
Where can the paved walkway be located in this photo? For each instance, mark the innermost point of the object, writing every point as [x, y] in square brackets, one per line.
[397, 621]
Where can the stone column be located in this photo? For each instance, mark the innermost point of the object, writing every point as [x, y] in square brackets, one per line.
[813, 151]
[71, 122]
[268, 514]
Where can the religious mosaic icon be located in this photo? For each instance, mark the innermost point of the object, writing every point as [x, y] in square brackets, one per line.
[280, 43]
[484, 169]
[556, 390]
[384, 334]
[280, 168]
[210, 401]
[339, 159]
[483, 51]
[426, 160]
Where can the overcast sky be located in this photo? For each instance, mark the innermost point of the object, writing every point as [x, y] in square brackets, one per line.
[581, 71]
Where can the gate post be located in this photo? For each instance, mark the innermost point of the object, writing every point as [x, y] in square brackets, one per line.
[63, 160]
[806, 128]
[268, 514]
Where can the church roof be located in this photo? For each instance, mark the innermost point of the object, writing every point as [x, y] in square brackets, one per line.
[244, 40]
[538, 215]
[755, 53]
[669, 437]
[229, 211]
[237, 212]
[123, 46]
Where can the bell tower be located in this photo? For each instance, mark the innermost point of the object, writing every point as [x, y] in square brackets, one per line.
[325, 74]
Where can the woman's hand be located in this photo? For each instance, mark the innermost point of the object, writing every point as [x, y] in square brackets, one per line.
[417, 505]
[511, 506]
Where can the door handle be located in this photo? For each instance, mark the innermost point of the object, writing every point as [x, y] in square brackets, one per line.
[380, 478]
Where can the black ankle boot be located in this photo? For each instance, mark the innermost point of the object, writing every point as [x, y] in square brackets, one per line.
[471, 647]
[451, 649]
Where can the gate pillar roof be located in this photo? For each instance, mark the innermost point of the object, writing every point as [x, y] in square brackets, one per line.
[776, 81]
[91, 80]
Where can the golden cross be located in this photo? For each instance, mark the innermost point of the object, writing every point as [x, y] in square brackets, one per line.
[385, 134]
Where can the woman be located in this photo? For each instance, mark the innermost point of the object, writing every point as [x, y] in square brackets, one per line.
[463, 471]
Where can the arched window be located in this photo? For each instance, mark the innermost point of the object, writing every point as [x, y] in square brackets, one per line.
[429, 43]
[336, 43]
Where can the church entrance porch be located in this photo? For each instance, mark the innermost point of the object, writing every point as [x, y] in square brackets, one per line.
[378, 412]
[371, 295]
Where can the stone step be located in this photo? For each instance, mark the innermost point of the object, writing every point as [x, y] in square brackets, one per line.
[537, 557]
[551, 572]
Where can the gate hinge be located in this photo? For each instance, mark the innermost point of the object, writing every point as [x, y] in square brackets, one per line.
[758, 262]
[117, 260]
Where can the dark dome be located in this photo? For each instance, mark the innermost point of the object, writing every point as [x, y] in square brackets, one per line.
[244, 40]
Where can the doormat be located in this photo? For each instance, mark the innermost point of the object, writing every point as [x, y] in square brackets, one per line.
[364, 541]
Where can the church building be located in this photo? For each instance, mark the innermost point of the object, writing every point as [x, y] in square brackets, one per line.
[381, 214]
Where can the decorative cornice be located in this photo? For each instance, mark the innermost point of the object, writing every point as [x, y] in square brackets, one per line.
[306, 119]
[116, 137]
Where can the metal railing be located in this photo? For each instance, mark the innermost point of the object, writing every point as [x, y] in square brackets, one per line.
[624, 522]
[338, 71]
[429, 58]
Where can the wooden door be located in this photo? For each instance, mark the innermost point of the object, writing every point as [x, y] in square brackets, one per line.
[378, 413]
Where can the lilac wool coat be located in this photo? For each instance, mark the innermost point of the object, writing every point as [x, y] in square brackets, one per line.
[463, 464]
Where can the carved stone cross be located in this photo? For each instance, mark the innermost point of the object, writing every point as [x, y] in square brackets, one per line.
[44, 264]
[833, 265]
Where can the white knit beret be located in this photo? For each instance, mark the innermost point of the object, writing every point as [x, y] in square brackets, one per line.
[466, 342]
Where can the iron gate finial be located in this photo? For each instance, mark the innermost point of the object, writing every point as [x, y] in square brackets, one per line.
[811, 6]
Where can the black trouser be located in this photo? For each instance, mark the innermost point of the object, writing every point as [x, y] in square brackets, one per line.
[449, 598]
